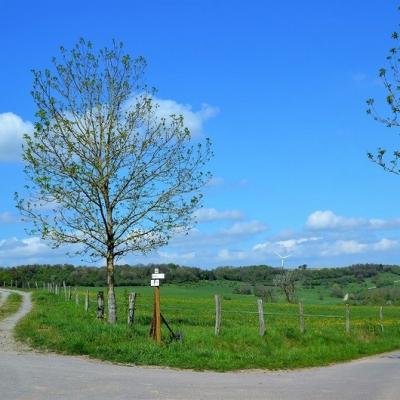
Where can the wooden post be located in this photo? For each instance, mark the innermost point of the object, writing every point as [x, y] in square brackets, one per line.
[76, 298]
[69, 293]
[131, 307]
[65, 290]
[301, 315]
[157, 315]
[217, 314]
[261, 316]
[87, 301]
[100, 305]
[347, 318]
[381, 317]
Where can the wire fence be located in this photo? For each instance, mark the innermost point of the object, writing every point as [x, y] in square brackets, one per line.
[218, 313]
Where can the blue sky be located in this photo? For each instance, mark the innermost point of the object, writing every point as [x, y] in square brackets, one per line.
[279, 87]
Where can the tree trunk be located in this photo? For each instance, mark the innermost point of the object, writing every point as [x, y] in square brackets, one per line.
[112, 305]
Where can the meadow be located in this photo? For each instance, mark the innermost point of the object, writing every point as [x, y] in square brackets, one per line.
[63, 326]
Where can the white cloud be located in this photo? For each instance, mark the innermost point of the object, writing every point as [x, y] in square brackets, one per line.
[227, 255]
[385, 244]
[8, 218]
[177, 256]
[12, 129]
[211, 214]
[287, 246]
[215, 181]
[328, 220]
[194, 120]
[20, 248]
[245, 228]
[341, 247]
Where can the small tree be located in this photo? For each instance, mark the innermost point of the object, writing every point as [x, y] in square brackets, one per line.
[106, 174]
[286, 281]
[390, 77]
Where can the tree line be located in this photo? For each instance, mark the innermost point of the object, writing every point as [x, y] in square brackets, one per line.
[139, 275]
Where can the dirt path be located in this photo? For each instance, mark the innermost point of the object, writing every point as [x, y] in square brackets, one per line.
[3, 297]
[38, 376]
[7, 325]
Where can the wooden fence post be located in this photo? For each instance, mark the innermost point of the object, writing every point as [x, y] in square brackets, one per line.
[131, 307]
[69, 293]
[65, 290]
[100, 305]
[301, 316]
[87, 301]
[347, 318]
[76, 298]
[261, 321]
[381, 317]
[217, 315]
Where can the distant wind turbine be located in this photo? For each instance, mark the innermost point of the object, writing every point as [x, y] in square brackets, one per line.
[283, 258]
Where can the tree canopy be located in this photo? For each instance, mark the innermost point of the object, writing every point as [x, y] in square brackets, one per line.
[106, 173]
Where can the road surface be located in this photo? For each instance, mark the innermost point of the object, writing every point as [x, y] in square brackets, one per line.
[28, 375]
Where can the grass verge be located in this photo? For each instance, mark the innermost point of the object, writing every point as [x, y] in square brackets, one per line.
[11, 305]
[64, 327]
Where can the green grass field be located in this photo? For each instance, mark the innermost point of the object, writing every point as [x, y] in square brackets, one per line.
[65, 327]
[11, 305]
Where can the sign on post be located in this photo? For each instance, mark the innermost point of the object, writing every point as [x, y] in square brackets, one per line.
[155, 330]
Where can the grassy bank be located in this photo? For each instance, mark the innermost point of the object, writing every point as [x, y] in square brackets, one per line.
[65, 327]
[11, 305]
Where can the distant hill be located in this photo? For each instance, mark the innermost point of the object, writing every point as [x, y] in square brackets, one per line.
[137, 275]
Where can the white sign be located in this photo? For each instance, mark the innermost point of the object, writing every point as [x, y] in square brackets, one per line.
[157, 276]
[156, 270]
[155, 282]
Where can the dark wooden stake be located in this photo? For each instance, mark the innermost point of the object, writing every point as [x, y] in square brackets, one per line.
[100, 305]
[347, 318]
[301, 315]
[131, 308]
[87, 301]
[261, 321]
[217, 314]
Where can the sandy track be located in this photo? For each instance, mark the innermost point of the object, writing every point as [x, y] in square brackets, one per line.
[7, 325]
[3, 297]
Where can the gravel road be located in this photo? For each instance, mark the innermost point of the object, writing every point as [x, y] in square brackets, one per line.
[28, 375]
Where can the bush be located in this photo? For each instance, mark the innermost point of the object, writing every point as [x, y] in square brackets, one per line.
[336, 291]
[243, 289]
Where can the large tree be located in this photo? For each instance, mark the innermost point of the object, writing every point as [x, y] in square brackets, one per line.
[105, 172]
[390, 77]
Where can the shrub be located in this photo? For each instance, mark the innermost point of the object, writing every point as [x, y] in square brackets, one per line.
[243, 289]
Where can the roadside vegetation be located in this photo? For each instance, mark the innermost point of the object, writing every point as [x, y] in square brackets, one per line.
[11, 305]
[63, 326]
